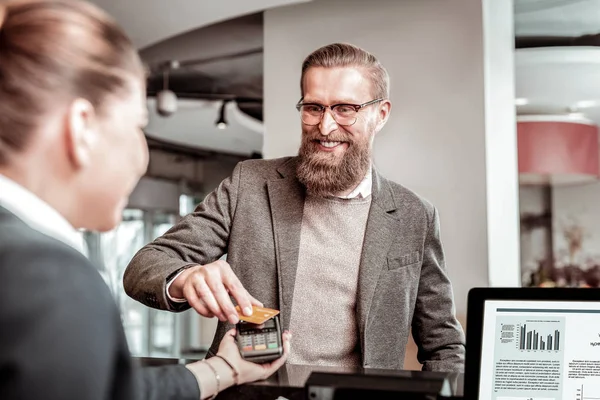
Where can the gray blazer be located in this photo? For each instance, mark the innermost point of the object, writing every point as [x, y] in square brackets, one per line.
[254, 217]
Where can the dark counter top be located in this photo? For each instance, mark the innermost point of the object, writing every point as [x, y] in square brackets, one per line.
[289, 381]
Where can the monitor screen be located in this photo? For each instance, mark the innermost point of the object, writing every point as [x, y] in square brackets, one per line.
[540, 350]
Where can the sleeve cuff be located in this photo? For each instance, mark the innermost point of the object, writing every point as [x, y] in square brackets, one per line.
[174, 299]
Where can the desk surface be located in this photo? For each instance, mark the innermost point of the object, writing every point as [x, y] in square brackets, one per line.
[289, 381]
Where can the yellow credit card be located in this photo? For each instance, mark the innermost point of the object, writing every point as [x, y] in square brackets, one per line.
[259, 314]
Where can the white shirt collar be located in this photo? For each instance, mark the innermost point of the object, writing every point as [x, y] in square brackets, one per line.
[38, 214]
[364, 188]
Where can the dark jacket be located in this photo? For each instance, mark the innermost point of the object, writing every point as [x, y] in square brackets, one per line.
[61, 336]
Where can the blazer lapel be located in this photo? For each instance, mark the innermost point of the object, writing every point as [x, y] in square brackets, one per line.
[377, 242]
[286, 197]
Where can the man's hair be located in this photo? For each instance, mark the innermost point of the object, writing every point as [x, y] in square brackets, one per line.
[347, 55]
[52, 52]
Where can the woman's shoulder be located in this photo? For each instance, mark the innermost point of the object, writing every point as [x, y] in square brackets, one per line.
[34, 264]
[19, 240]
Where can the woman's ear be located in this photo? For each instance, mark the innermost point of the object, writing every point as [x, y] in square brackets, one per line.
[80, 132]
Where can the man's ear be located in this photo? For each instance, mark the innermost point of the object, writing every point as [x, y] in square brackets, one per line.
[80, 132]
[383, 113]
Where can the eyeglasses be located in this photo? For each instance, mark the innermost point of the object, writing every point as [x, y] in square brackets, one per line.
[343, 114]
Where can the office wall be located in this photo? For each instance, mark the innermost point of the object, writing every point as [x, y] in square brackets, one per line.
[435, 142]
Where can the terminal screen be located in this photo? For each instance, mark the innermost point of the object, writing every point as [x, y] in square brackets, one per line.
[540, 350]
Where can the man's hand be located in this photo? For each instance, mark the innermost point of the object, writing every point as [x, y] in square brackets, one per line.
[207, 289]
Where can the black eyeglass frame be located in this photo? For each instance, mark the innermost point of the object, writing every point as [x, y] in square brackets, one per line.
[357, 107]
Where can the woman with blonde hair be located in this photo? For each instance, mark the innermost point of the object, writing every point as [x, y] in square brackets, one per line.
[72, 109]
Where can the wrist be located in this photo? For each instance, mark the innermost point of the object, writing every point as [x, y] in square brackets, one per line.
[213, 376]
[176, 287]
[207, 381]
[225, 372]
[232, 367]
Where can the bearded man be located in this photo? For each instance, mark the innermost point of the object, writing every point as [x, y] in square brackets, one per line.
[352, 260]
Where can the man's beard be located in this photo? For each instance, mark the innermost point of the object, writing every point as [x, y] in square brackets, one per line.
[326, 174]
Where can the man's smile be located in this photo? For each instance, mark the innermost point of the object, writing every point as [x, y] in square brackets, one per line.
[329, 145]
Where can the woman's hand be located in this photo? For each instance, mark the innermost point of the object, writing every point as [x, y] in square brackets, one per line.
[247, 371]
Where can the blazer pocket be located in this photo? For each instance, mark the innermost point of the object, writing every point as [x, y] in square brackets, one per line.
[402, 261]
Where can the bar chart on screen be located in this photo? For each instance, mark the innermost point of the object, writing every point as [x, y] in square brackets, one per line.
[546, 336]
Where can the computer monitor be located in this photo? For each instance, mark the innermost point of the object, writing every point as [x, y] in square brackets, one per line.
[533, 344]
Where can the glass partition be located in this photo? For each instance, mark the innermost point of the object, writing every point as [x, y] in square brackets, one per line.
[150, 332]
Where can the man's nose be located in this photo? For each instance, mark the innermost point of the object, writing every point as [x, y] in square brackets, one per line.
[328, 123]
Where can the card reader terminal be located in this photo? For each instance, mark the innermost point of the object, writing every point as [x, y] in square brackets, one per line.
[260, 343]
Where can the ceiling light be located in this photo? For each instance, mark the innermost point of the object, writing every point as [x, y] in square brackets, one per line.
[575, 115]
[166, 103]
[166, 100]
[586, 104]
[222, 122]
[521, 101]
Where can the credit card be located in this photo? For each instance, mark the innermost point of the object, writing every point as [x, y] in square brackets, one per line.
[259, 314]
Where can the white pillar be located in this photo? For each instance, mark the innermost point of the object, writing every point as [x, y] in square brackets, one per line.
[501, 144]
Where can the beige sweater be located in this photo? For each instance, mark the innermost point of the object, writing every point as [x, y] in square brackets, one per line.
[323, 318]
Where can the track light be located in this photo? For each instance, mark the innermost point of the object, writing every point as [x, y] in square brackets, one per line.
[222, 122]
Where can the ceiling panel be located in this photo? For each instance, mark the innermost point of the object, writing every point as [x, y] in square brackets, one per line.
[193, 125]
[151, 21]
[556, 17]
[559, 80]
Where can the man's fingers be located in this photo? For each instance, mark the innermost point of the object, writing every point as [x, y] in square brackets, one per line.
[195, 302]
[255, 302]
[213, 285]
[206, 296]
[221, 296]
[239, 293]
